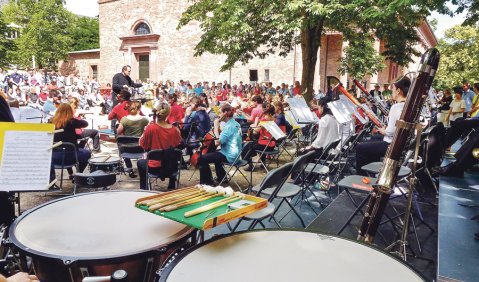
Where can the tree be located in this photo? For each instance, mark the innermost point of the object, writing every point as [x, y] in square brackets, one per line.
[243, 29]
[44, 30]
[459, 56]
[85, 33]
[6, 45]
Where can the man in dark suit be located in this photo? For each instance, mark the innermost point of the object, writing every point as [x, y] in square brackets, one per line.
[122, 80]
[376, 93]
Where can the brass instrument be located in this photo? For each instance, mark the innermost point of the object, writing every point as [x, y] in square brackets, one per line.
[405, 127]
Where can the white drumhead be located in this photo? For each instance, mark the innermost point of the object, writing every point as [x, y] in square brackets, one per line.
[104, 160]
[96, 225]
[288, 256]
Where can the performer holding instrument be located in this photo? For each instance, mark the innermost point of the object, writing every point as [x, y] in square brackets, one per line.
[373, 151]
[230, 141]
[406, 125]
[379, 105]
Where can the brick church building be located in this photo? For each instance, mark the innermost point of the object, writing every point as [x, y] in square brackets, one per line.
[143, 34]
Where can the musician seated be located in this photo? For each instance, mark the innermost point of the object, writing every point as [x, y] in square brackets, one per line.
[265, 140]
[64, 119]
[373, 151]
[230, 141]
[328, 129]
[93, 134]
[177, 113]
[197, 120]
[158, 136]
[132, 125]
[256, 112]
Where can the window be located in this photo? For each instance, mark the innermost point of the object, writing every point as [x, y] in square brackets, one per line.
[142, 28]
[266, 75]
[94, 71]
[253, 75]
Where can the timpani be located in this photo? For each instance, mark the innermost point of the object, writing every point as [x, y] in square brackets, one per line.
[280, 255]
[111, 164]
[95, 234]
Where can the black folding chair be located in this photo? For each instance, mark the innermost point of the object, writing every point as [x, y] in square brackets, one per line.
[170, 164]
[66, 149]
[272, 181]
[236, 165]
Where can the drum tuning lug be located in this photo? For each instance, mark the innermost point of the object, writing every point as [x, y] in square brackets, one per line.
[67, 262]
[163, 250]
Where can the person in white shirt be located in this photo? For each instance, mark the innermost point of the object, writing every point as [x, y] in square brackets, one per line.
[457, 107]
[328, 129]
[373, 151]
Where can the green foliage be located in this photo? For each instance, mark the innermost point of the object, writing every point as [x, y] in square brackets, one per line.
[44, 32]
[361, 58]
[243, 29]
[459, 56]
[85, 33]
[6, 45]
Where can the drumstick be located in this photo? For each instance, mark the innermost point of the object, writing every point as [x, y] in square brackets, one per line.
[214, 205]
[167, 195]
[189, 202]
[161, 204]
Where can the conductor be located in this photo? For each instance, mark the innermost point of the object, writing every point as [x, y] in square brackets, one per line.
[121, 81]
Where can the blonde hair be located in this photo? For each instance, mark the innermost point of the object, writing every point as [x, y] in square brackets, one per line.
[63, 115]
[162, 111]
[74, 102]
[134, 107]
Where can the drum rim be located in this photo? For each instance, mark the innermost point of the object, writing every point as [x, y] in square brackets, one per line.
[166, 271]
[90, 161]
[184, 233]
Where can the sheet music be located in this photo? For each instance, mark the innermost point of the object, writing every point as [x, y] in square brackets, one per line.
[300, 109]
[30, 115]
[353, 109]
[340, 111]
[26, 160]
[273, 129]
[292, 120]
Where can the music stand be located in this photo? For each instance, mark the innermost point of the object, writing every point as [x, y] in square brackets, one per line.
[300, 110]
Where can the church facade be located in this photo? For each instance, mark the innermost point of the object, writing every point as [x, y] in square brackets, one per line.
[144, 35]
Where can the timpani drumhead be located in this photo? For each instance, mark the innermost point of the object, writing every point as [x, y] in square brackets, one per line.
[94, 226]
[286, 256]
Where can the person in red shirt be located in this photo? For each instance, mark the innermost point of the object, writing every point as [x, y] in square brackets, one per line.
[177, 113]
[121, 110]
[265, 139]
[160, 135]
[297, 88]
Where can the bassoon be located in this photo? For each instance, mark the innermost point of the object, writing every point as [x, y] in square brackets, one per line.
[374, 118]
[405, 126]
[371, 98]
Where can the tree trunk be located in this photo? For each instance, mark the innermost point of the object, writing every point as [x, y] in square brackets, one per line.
[310, 43]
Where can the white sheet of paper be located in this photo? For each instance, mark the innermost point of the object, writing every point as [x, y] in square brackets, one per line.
[300, 109]
[26, 160]
[273, 129]
[353, 109]
[340, 111]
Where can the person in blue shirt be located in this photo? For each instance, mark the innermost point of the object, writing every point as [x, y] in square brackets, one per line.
[230, 142]
[198, 89]
[467, 96]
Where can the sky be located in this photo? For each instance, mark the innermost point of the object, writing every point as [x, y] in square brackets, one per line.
[90, 8]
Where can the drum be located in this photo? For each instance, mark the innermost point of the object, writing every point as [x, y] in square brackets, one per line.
[94, 234]
[285, 256]
[105, 163]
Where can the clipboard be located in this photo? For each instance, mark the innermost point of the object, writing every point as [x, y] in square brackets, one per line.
[25, 156]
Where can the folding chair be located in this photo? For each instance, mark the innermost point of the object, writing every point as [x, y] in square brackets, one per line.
[286, 191]
[237, 164]
[66, 149]
[94, 180]
[272, 180]
[170, 163]
[288, 142]
[129, 147]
